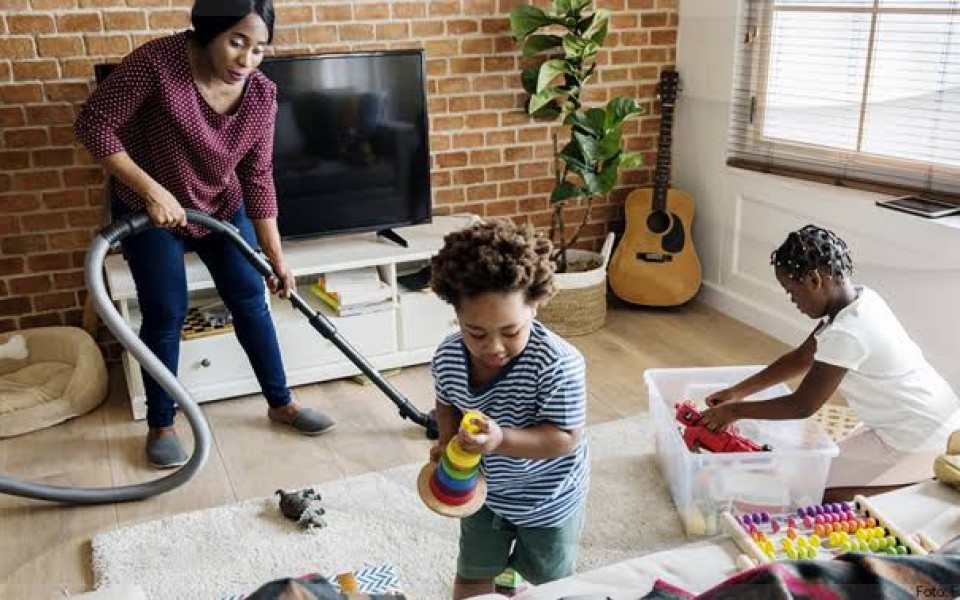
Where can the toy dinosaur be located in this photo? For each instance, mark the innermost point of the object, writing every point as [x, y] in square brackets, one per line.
[302, 506]
[697, 437]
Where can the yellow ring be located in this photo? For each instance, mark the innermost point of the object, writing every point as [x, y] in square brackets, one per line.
[460, 458]
[467, 421]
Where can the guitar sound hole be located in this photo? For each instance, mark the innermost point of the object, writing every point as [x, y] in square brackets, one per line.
[658, 221]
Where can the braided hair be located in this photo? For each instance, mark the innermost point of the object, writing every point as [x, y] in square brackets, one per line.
[812, 248]
[493, 256]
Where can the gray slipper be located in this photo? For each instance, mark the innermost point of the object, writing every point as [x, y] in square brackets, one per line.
[309, 421]
[165, 452]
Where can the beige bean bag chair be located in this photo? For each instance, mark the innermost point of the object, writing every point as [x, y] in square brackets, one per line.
[48, 375]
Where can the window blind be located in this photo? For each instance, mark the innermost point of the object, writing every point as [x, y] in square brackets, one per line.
[860, 93]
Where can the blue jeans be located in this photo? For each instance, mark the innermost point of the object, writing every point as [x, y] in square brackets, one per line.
[155, 258]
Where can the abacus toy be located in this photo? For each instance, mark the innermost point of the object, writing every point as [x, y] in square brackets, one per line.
[454, 486]
[816, 532]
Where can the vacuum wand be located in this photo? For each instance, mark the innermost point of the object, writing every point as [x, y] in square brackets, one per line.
[327, 330]
[323, 325]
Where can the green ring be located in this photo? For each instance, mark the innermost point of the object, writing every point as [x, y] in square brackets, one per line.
[455, 473]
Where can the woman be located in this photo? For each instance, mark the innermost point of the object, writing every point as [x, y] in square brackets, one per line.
[186, 121]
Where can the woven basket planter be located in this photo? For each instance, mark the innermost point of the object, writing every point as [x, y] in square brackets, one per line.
[580, 304]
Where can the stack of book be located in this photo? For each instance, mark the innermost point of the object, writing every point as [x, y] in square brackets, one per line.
[354, 291]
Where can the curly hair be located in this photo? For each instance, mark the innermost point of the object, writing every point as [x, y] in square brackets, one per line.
[812, 248]
[493, 256]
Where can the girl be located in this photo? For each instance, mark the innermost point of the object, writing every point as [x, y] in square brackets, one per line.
[908, 411]
[186, 121]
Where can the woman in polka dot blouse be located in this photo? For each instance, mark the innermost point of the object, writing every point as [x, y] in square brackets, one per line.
[186, 121]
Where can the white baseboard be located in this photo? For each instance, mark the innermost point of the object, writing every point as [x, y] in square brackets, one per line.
[752, 313]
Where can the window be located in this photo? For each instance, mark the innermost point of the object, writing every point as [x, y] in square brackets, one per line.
[863, 93]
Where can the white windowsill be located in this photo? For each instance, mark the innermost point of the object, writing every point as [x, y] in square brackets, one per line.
[864, 202]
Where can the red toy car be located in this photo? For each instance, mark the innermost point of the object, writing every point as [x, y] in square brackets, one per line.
[698, 437]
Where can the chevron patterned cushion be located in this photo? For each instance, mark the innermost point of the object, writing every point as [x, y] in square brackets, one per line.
[378, 579]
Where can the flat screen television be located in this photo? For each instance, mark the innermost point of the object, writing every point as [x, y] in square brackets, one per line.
[350, 150]
[351, 147]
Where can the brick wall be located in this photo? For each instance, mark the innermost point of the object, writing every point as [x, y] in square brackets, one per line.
[488, 157]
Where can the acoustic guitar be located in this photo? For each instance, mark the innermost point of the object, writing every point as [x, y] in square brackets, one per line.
[655, 263]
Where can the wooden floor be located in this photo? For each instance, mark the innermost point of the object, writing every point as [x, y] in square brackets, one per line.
[45, 549]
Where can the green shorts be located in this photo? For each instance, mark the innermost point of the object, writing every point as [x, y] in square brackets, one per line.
[489, 544]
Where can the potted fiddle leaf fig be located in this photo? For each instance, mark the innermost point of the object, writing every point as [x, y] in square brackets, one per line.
[565, 41]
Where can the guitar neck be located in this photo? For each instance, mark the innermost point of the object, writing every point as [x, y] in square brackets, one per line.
[661, 177]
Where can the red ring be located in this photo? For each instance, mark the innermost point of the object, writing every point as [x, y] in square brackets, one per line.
[447, 499]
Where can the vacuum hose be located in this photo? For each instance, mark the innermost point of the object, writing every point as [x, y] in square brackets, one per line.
[112, 234]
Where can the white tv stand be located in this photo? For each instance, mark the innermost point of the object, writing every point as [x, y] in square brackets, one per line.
[215, 367]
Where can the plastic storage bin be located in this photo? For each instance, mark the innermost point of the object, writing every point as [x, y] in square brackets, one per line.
[703, 485]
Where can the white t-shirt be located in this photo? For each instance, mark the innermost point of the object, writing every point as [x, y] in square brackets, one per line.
[889, 384]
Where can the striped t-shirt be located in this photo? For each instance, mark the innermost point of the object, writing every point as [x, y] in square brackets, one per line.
[546, 383]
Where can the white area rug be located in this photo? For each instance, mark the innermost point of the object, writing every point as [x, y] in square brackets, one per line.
[375, 519]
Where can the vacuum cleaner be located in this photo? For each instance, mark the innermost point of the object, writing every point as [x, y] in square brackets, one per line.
[112, 234]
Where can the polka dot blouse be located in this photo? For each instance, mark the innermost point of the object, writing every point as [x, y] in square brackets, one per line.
[151, 107]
